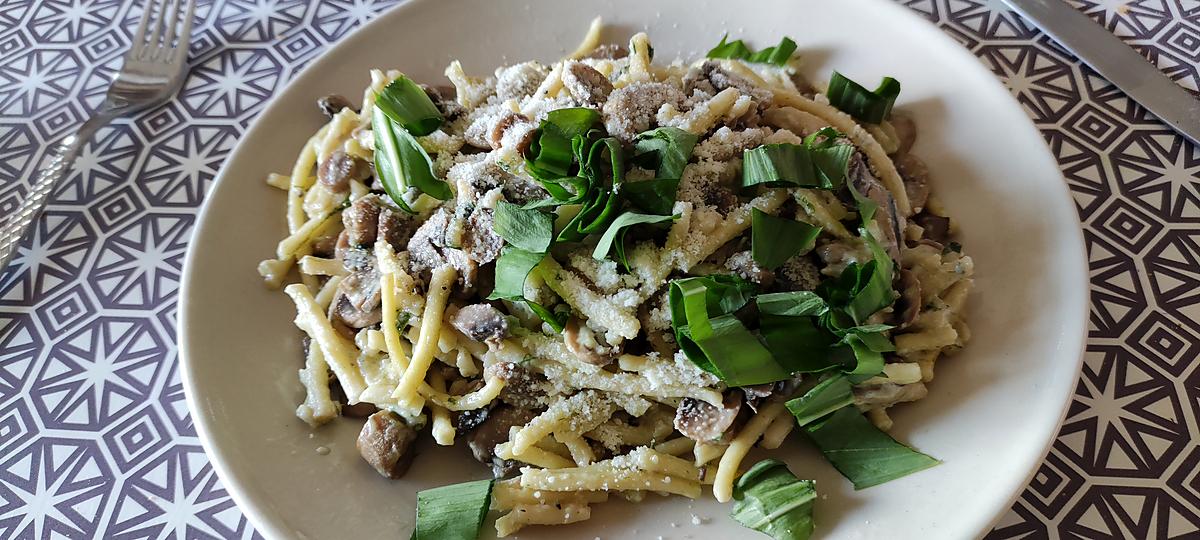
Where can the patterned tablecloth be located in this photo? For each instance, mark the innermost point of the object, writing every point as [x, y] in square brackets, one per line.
[95, 439]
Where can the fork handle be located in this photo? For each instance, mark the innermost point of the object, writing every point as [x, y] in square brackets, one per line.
[61, 157]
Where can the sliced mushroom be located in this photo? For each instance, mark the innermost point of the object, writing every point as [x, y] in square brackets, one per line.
[359, 410]
[332, 104]
[916, 180]
[906, 130]
[361, 221]
[631, 109]
[512, 130]
[428, 250]
[493, 431]
[908, 306]
[522, 387]
[711, 77]
[586, 84]
[444, 98]
[468, 420]
[798, 273]
[584, 344]
[936, 228]
[743, 265]
[702, 422]
[357, 301]
[481, 322]
[886, 216]
[339, 169]
[385, 442]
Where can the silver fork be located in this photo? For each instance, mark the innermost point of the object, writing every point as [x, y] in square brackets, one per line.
[153, 71]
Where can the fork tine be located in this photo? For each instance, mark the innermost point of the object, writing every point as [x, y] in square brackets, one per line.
[153, 46]
[139, 35]
[185, 35]
[172, 22]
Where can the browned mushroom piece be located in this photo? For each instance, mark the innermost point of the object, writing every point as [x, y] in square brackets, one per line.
[481, 322]
[798, 273]
[357, 302]
[332, 104]
[395, 227]
[512, 129]
[908, 306]
[480, 241]
[523, 388]
[336, 172]
[385, 442]
[631, 109]
[608, 51]
[493, 431]
[743, 265]
[585, 84]
[935, 228]
[710, 77]
[361, 221]
[906, 131]
[702, 422]
[581, 341]
[916, 180]
[428, 250]
[890, 222]
[468, 420]
[443, 97]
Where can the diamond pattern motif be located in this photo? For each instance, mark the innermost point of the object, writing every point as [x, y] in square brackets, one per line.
[95, 438]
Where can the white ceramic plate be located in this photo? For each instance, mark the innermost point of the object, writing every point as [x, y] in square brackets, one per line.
[991, 412]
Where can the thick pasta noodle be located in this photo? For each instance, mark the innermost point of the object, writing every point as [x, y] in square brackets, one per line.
[393, 300]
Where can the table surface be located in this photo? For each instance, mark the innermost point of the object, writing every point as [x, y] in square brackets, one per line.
[95, 439]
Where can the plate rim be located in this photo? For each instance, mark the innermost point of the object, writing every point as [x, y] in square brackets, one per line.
[269, 528]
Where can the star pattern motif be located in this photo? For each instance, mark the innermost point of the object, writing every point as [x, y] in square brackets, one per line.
[95, 438]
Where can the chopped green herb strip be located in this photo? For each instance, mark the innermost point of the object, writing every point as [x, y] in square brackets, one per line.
[774, 240]
[875, 292]
[600, 202]
[656, 196]
[792, 304]
[777, 55]
[550, 155]
[854, 99]
[798, 344]
[712, 338]
[793, 165]
[402, 164]
[739, 358]
[512, 268]
[866, 206]
[666, 150]
[861, 452]
[615, 235]
[453, 512]
[527, 229]
[827, 396]
[408, 105]
[770, 499]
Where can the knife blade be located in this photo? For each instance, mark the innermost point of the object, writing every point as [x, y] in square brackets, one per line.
[1115, 61]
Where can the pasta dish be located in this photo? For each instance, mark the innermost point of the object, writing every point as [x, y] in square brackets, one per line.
[611, 275]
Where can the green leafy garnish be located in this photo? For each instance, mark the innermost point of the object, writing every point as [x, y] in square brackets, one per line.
[861, 452]
[527, 229]
[788, 323]
[601, 200]
[774, 240]
[550, 155]
[819, 164]
[615, 235]
[453, 512]
[512, 269]
[827, 396]
[401, 164]
[656, 195]
[777, 55]
[408, 105]
[854, 99]
[712, 337]
[770, 499]
[666, 150]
